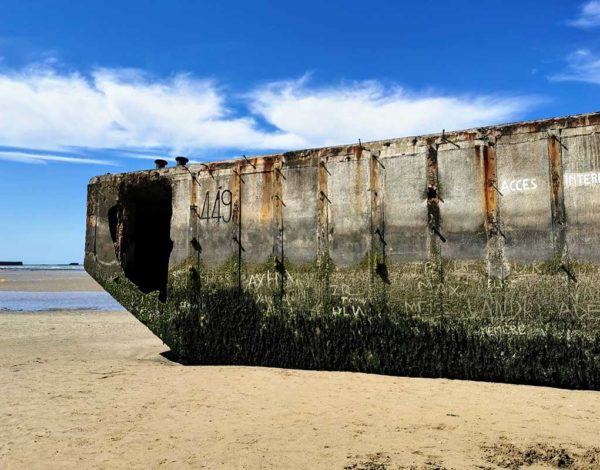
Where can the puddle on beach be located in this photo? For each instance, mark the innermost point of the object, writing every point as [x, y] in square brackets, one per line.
[43, 301]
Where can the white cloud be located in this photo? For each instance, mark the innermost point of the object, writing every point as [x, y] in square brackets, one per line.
[118, 109]
[589, 16]
[369, 111]
[129, 111]
[582, 66]
[35, 158]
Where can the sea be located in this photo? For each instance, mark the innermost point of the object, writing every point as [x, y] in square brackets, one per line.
[21, 301]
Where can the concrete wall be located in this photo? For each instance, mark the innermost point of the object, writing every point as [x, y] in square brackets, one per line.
[494, 222]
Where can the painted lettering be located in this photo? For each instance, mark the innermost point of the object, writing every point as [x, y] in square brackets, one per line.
[581, 179]
[211, 208]
[519, 185]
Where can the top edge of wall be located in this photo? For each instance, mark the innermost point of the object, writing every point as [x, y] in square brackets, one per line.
[472, 134]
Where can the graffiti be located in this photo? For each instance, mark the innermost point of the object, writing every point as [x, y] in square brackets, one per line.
[438, 287]
[345, 310]
[529, 292]
[503, 309]
[499, 330]
[272, 279]
[347, 300]
[342, 289]
[519, 185]
[211, 208]
[581, 179]
[570, 180]
[263, 280]
[301, 288]
[537, 268]
[422, 307]
[496, 283]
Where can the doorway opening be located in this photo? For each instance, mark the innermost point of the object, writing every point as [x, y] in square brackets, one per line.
[146, 245]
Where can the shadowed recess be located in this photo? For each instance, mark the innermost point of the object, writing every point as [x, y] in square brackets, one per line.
[143, 244]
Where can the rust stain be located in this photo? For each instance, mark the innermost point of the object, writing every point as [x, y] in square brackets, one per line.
[376, 216]
[194, 189]
[358, 189]
[300, 157]
[235, 194]
[266, 190]
[433, 209]
[555, 168]
[374, 183]
[323, 202]
[559, 227]
[277, 195]
[323, 177]
[489, 181]
[558, 202]
[357, 150]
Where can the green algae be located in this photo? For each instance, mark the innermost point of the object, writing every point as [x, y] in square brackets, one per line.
[464, 329]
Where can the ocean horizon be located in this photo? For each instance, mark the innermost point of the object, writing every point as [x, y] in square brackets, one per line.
[44, 267]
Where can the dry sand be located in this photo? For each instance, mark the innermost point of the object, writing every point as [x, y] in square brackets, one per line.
[92, 390]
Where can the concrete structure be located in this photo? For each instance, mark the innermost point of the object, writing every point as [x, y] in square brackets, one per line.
[468, 254]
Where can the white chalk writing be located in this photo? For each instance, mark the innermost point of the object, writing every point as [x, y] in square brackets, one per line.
[519, 185]
[581, 179]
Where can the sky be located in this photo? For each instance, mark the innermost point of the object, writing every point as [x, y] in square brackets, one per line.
[95, 87]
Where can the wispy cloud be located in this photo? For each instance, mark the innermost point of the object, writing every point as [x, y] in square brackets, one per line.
[121, 109]
[131, 112]
[42, 159]
[368, 110]
[582, 66]
[589, 16]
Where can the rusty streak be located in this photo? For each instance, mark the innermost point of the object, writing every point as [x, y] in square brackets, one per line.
[236, 216]
[323, 230]
[489, 185]
[278, 246]
[267, 190]
[559, 226]
[433, 213]
[375, 218]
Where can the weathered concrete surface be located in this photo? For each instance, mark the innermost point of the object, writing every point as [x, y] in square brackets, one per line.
[470, 254]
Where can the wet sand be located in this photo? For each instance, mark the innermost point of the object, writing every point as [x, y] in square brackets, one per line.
[46, 281]
[93, 390]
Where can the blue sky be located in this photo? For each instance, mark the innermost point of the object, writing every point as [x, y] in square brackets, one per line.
[93, 87]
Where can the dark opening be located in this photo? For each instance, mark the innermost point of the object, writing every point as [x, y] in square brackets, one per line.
[431, 193]
[147, 240]
[113, 221]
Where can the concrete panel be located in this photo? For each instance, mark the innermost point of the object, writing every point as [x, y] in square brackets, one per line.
[257, 217]
[581, 170]
[213, 220]
[405, 208]
[525, 207]
[180, 218]
[349, 210]
[299, 187]
[462, 205]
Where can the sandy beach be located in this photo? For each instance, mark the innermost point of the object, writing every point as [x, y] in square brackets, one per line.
[87, 389]
[46, 281]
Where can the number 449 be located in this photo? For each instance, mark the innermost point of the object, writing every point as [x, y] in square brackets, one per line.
[211, 209]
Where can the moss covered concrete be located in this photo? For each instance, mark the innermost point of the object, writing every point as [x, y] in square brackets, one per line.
[207, 319]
